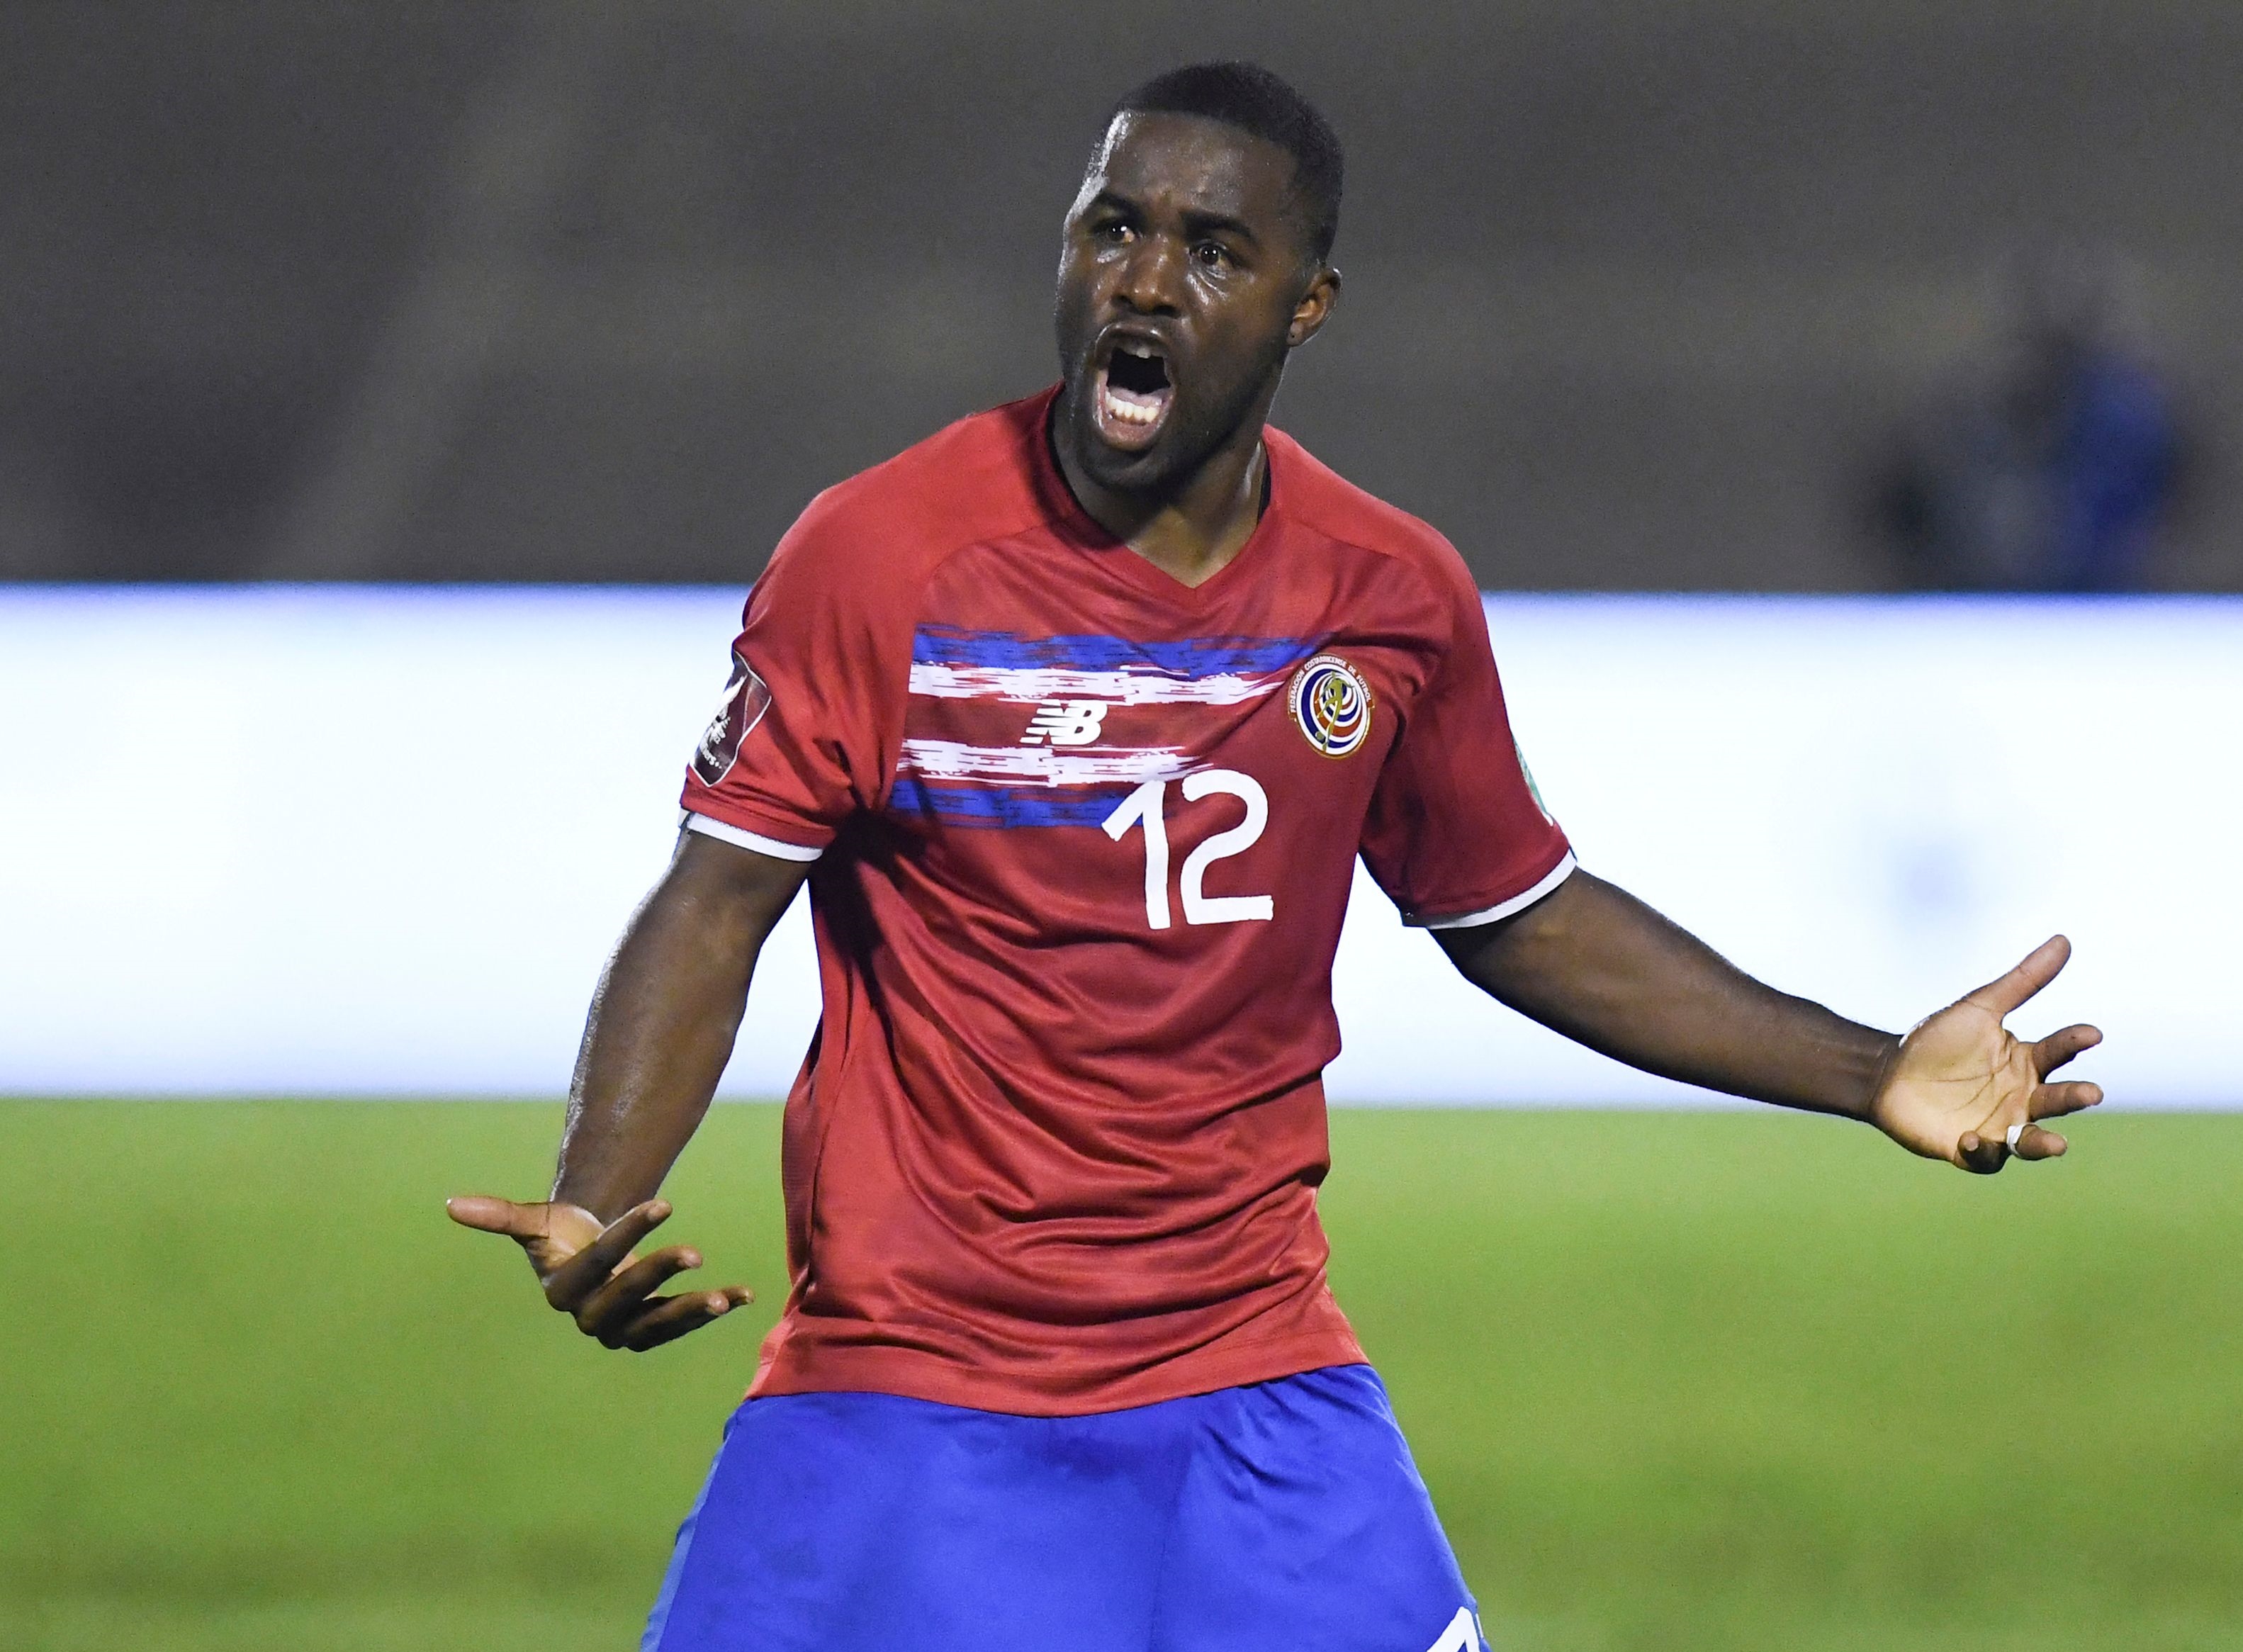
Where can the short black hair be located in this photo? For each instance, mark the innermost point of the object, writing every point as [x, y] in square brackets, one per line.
[1248, 96]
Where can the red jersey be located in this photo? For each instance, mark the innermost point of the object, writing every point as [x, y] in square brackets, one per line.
[1083, 839]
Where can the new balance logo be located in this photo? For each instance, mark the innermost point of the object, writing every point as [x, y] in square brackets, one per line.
[1066, 723]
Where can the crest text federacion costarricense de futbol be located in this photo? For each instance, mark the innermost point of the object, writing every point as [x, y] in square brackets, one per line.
[1331, 704]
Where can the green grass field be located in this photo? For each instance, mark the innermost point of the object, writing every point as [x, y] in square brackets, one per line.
[1715, 1380]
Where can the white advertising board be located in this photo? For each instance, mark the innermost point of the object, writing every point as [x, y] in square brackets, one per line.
[378, 841]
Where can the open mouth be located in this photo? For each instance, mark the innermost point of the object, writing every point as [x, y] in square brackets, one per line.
[1134, 395]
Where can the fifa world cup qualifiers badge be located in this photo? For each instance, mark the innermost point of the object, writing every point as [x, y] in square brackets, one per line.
[1331, 704]
[745, 701]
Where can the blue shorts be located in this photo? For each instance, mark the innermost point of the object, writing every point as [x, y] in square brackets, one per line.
[1286, 1516]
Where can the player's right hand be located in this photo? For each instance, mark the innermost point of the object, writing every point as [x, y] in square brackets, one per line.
[590, 1274]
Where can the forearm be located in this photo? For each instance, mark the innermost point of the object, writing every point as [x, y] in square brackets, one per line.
[1596, 964]
[662, 1026]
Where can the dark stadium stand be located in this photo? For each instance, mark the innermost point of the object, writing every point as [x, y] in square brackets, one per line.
[597, 292]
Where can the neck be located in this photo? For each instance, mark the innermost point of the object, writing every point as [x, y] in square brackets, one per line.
[1189, 533]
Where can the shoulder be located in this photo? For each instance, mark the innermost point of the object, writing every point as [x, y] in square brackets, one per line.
[1319, 498]
[892, 525]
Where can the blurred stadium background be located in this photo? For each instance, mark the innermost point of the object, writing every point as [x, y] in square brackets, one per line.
[1705, 298]
[570, 290]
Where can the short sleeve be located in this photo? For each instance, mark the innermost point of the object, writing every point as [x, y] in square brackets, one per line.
[1457, 833]
[797, 743]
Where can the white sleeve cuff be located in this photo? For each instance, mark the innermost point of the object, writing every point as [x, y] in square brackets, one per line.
[756, 841]
[1558, 874]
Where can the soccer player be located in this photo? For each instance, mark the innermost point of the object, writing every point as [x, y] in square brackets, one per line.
[1076, 717]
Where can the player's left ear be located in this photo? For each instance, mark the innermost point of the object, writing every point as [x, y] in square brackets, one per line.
[1315, 307]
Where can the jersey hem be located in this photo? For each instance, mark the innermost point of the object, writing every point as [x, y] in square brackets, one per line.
[911, 1373]
[774, 830]
[724, 831]
[1566, 867]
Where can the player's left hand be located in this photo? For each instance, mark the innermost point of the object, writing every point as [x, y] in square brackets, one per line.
[1962, 1081]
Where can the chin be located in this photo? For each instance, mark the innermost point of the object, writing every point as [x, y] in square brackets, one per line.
[1167, 464]
[1151, 470]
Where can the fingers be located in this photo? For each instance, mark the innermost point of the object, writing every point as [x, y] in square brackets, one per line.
[490, 1215]
[2034, 971]
[1981, 1155]
[2060, 1047]
[1984, 1155]
[608, 1292]
[585, 1272]
[617, 1303]
[540, 1227]
[671, 1318]
[2054, 1101]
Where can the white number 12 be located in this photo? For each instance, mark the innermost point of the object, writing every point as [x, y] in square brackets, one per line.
[1147, 807]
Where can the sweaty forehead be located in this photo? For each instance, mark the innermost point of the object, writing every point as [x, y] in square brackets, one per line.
[1189, 161]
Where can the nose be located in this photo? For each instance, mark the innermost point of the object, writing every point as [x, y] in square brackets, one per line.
[1149, 276]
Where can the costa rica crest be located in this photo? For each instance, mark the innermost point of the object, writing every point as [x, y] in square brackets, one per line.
[1331, 704]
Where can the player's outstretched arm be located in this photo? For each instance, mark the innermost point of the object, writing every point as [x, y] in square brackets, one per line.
[660, 1031]
[1594, 963]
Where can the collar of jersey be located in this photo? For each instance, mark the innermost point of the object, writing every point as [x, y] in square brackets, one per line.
[1078, 528]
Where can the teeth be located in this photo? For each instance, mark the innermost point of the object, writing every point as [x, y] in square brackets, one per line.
[1125, 408]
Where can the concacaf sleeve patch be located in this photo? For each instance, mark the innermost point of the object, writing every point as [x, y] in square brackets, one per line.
[746, 699]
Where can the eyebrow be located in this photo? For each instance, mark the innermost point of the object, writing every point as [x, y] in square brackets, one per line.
[1210, 223]
[1196, 223]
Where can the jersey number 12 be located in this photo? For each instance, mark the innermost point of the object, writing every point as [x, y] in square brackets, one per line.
[1147, 807]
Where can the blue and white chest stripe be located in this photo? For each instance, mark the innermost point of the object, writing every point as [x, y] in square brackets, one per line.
[1069, 681]
[954, 665]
